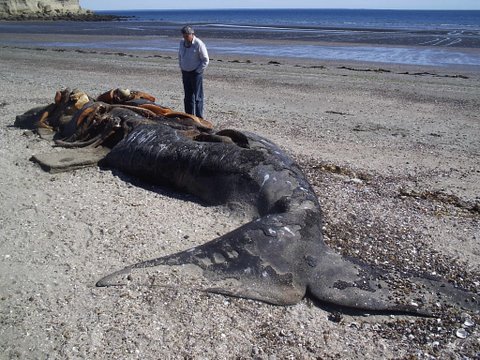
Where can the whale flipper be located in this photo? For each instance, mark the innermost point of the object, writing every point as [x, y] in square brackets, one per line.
[239, 263]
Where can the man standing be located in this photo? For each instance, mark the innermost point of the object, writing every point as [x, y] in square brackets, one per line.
[193, 60]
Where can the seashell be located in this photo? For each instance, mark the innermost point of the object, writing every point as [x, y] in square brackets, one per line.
[354, 325]
[356, 181]
[461, 333]
[468, 323]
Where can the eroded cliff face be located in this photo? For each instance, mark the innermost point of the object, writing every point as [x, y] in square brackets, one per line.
[39, 8]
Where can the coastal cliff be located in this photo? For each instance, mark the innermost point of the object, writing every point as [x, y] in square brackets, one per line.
[45, 10]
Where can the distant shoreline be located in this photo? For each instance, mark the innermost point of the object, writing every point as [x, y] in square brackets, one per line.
[295, 51]
[125, 26]
[88, 16]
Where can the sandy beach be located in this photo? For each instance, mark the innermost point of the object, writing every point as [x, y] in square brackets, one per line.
[392, 152]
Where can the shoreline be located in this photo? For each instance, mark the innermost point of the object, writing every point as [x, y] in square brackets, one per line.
[354, 65]
[437, 37]
[347, 53]
[392, 157]
[438, 46]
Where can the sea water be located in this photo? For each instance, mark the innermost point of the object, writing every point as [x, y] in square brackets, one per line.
[440, 38]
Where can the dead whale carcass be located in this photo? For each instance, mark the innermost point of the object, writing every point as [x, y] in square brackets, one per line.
[277, 257]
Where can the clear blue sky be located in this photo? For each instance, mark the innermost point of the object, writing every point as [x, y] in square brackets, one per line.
[349, 4]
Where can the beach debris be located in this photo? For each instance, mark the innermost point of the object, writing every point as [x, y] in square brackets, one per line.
[336, 112]
[461, 333]
[423, 73]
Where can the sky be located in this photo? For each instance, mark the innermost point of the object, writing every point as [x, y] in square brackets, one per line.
[337, 4]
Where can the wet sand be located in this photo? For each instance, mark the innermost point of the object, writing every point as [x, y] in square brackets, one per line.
[441, 37]
[391, 151]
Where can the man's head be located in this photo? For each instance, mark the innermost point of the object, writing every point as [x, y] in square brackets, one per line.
[188, 33]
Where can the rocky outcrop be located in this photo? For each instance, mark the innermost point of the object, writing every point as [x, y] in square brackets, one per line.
[44, 10]
[34, 6]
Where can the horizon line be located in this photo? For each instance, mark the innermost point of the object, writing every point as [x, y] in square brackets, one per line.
[282, 8]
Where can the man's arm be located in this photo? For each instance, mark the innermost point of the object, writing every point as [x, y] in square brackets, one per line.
[180, 55]
[203, 57]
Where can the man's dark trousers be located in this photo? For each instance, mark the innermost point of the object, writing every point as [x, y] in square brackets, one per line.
[193, 87]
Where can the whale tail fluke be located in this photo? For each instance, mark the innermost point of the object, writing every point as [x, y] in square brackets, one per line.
[269, 261]
[352, 284]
